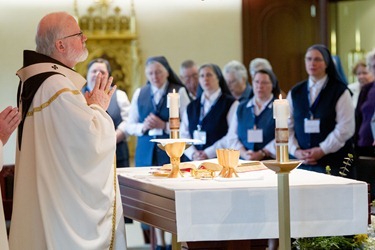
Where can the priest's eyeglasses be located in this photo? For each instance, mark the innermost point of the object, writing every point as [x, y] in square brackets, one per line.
[79, 34]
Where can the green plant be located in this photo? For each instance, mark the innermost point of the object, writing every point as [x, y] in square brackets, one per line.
[328, 170]
[327, 243]
[347, 163]
[344, 169]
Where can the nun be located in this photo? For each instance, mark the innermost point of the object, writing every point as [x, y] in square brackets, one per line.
[252, 131]
[149, 115]
[207, 118]
[321, 121]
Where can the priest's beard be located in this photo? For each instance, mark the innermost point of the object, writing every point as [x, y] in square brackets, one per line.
[77, 56]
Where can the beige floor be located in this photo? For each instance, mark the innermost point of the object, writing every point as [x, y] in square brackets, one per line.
[134, 237]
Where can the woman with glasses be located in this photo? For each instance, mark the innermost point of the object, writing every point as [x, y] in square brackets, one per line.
[148, 119]
[207, 118]
[253, 128]
[149, 115]
[322, 115]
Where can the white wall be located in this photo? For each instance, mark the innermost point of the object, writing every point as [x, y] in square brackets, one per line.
[203, 30]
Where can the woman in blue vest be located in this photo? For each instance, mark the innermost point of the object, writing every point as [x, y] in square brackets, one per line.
[149, 115]
[207, 118]
[148, 119]
[118, 109]
[253, 129]
[322, 116]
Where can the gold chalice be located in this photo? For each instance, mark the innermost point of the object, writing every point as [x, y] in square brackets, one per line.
[174, 151]
[228, 158]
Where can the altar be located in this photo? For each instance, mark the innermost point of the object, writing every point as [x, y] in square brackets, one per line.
[244, 208]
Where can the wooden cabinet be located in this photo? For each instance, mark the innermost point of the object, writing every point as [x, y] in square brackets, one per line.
[281, 31]
[6, 184]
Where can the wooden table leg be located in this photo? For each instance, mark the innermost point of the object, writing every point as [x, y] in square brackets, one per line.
[175, 245]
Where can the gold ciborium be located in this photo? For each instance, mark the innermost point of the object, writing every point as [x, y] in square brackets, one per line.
[228, 159]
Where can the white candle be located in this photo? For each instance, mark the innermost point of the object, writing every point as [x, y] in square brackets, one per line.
[357, 40]
[281, 112]
[173, 103]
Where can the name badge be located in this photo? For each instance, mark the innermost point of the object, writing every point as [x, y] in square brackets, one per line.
[155, 132]
[200, 135]
[312, 126]
[255, 135]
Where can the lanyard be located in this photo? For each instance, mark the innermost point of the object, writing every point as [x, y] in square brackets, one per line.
[257, 117]
[158, 106]
[313, 106]
[202, 114]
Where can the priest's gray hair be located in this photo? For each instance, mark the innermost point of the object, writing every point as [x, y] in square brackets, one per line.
[237, 68]
[45, 37]
[45, 43]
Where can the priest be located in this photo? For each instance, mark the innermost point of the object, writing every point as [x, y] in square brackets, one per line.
[66, 194]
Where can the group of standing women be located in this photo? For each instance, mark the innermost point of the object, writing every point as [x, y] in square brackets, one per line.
[321, 123]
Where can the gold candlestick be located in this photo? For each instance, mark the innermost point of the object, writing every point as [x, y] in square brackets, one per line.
[282, 166]
[174, 147]
[174, 126]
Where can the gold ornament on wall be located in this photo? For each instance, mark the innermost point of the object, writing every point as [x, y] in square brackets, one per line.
[112, 35]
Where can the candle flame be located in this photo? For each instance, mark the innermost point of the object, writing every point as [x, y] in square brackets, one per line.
[174, 91]
[280, 97]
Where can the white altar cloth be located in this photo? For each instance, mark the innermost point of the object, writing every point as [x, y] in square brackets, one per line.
[246, 207]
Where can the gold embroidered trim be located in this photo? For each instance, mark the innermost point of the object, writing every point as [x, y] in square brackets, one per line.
[46, 104]
[112, 243]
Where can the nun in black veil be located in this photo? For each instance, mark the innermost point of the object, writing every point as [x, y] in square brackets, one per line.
[148, 119]
[149, 115]
[322, 115]
[207, 118]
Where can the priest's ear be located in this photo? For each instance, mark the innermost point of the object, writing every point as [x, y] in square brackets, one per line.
[60, 46]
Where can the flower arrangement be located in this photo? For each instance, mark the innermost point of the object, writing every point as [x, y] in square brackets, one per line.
[367, 240]
[327, 243]
[357, 242]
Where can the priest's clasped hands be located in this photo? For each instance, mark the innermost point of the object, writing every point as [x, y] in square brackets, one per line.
[102, 92]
